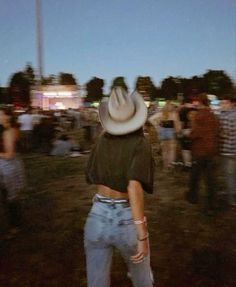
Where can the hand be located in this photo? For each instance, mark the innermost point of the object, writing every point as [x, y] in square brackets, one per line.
[142, 252]
[186, 132]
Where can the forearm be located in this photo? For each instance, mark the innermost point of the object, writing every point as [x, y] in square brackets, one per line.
[154, 120]
[136, 199]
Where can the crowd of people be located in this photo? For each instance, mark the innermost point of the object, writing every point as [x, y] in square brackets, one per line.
[45, 131]
[206, 141]
[121, 166]
[32, 131]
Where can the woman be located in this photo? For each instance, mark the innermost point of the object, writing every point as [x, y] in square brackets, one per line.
[168, 125]
[11, 169]
[120, 166]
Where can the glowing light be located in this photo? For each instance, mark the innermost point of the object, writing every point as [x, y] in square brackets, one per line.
[60, 106]
[95, 104]
[50, 94]
[61, 94]
[147, 103]
[57, 94]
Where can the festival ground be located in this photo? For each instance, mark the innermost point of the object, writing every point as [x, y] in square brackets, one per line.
[188, 248]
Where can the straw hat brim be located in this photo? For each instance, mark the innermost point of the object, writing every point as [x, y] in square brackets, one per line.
[121, 128]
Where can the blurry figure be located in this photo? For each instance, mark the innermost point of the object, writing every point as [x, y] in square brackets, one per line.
[167, 125]
[186, 115]
[227, 119]
[65, 122]
[152, 109]
[37, 116]
[90, 124]
[57, 115]
[77, 124]
[74, 117]
[61, 146]
[26, 121]
[11, 169]
[204, 135]
[44, 134]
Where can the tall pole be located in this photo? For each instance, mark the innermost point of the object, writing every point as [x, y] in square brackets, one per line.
[39, 40]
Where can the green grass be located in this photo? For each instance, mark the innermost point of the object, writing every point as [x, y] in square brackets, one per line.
[41, 170]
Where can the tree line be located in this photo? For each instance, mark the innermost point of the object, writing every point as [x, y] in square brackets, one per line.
[215, 82]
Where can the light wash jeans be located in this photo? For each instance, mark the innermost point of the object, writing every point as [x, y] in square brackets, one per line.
[229, 169]
[109, 226]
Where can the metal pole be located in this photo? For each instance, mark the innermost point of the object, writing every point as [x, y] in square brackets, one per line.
[39, 41]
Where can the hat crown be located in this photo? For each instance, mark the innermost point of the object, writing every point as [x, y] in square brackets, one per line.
[120, 105]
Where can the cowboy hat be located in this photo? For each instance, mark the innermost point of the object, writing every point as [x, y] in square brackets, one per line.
[121, 113]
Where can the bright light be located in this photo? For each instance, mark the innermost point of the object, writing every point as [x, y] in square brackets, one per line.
[95, 104]
[212, 97]
[60, 106]
[161, 104]
[50, 94]
[57, 94]
[61, 94]
[147, 103]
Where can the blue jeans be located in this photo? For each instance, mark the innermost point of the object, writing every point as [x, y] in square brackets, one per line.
[166, 133]
[229, 169]
[108, 226]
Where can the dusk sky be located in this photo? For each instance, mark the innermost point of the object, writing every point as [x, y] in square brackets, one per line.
[109, 38]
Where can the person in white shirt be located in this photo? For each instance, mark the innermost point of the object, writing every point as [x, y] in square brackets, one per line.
[26, 122]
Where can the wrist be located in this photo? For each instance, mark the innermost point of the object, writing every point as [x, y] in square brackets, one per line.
[143, 238]
[140, 221]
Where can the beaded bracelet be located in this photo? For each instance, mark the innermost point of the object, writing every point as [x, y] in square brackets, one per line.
[140, 221]
[144, 238]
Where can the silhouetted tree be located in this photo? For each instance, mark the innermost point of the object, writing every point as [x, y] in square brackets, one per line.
[192, 87]
[29, 74]
[19, 90]
[217, 82]
[66, 79]
[1, 96]
[119, 82]
[4, 95]
[49, 80]
[145, 86]
[170, 87]
[94, 89]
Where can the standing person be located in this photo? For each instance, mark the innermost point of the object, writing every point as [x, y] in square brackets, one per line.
[204, 149]
[227, 119]
[167, 124]
[11, 169]
[26, 122]
[120, 166]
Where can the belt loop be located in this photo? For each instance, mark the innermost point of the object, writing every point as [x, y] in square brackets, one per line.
[112, 203]
[95, 199]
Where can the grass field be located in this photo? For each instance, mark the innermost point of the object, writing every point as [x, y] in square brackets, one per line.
[188, 248]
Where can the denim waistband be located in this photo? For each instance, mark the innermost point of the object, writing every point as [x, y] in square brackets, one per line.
[111, 201]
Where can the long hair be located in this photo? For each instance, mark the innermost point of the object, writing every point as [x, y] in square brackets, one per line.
[167, 110]
[203, 99]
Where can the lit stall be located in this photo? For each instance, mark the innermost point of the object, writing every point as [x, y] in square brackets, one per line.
[56, 97]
